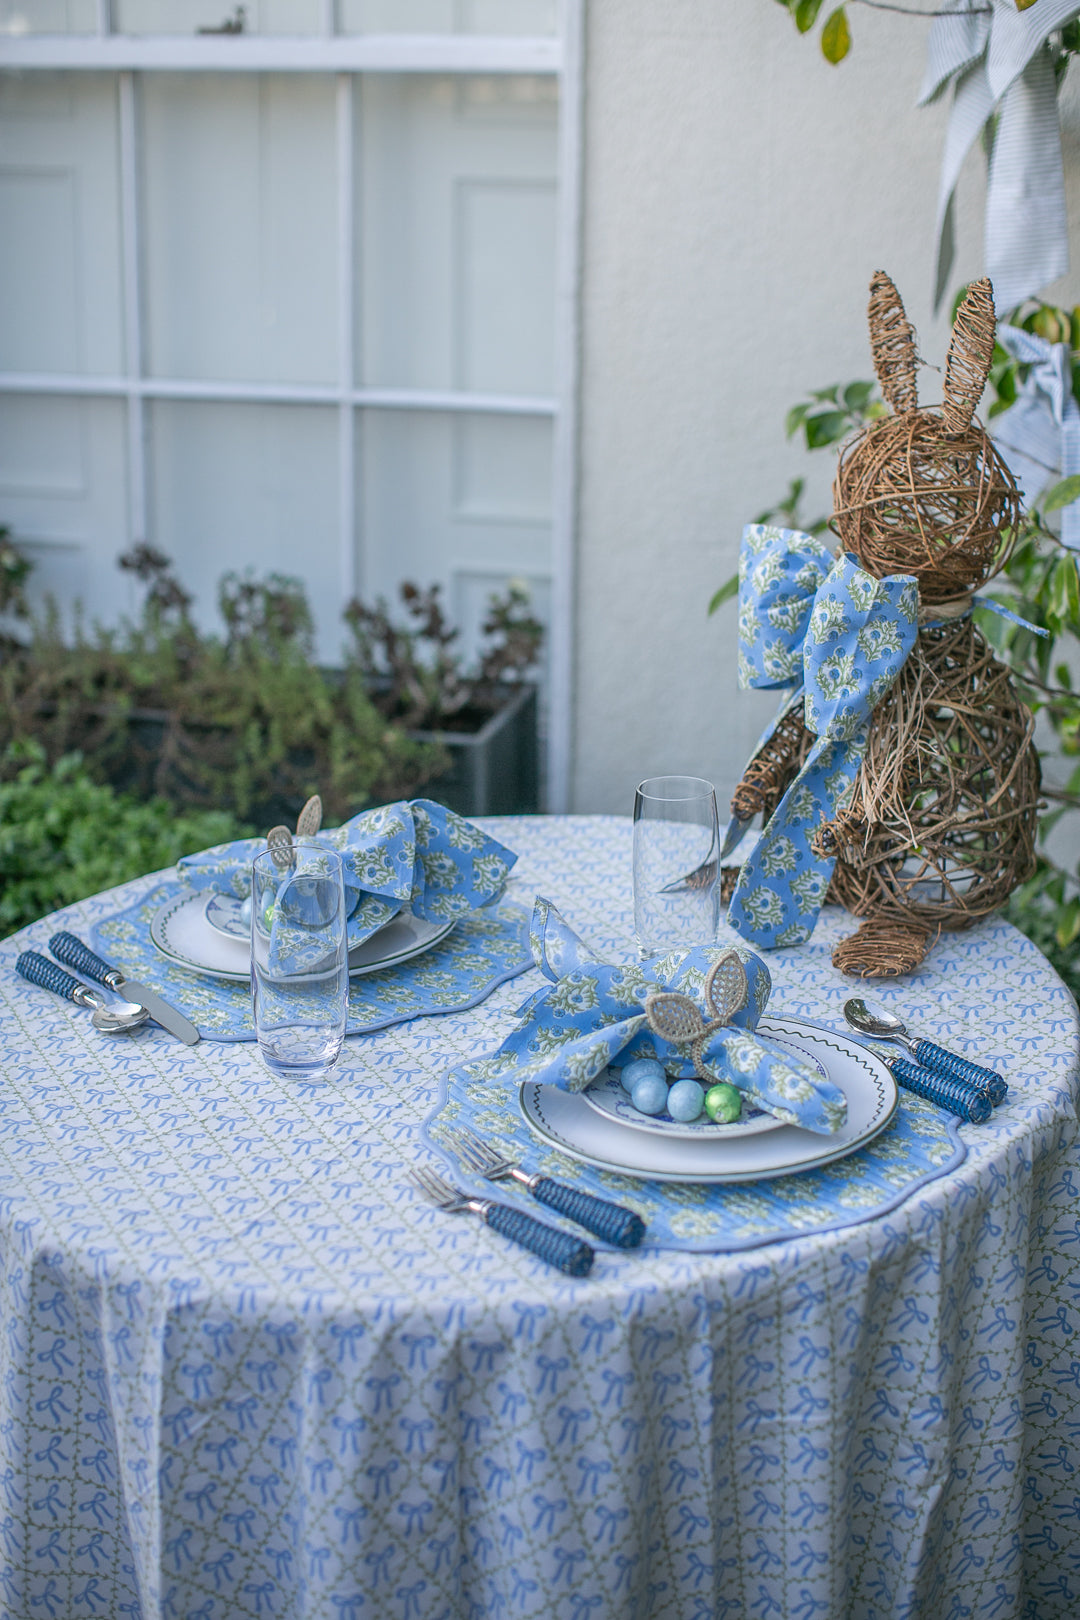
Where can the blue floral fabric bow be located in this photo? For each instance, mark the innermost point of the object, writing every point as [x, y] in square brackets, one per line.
[414, 855]
[841, 637]
[593, 1012]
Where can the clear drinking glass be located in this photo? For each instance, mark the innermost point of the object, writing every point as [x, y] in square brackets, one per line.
[299, 961]
[676, 866]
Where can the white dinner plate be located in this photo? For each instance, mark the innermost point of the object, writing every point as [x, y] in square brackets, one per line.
[565, 1121]
[181, 932]
[607, 1096]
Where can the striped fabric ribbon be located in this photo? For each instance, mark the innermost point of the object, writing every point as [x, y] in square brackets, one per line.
[997, 59]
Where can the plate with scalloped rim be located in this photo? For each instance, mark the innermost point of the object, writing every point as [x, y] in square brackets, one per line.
[181, 932]
[564, 1120]
[607, 1096]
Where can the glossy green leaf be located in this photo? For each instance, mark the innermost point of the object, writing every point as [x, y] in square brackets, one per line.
[1068, 923]
[1062, 494]
[857, 395]
[728, 589]
[835, 36]
[806, 14]
[794, 419]
[826, 428]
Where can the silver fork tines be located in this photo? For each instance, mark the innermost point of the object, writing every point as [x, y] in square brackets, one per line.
[479, 1156]
[437, 1190]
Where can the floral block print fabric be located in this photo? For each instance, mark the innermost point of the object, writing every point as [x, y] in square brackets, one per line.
[593, 1013]
[246, 1373]
[484, 950]
[844, 635]
[414, 854]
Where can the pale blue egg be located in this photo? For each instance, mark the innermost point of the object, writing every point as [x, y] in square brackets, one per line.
[650, 1094]
[641, 1069]
[685, 1101]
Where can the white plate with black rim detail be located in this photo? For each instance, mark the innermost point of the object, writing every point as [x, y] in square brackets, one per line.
[564, 1120]
[181, 932]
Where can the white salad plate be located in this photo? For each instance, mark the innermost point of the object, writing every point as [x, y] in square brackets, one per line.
[181, 932]
[607, 1096]
[225, 914]
[566, 1121]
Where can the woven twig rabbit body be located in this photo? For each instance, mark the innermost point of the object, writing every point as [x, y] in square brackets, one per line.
[941, 825]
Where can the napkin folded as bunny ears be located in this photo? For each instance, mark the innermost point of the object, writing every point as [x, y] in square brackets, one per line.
[594, 1013]
[414, 855]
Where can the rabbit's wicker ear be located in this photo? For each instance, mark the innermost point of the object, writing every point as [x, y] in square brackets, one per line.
[971, 350]
[892, 343]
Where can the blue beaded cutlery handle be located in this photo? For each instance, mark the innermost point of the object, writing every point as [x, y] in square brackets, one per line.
[40, 971]
[74, 954]
[621, 1227]
[955, 1095]
[958, 1068]
[570, 1254]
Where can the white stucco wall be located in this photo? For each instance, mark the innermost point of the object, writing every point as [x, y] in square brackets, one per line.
[739, 192]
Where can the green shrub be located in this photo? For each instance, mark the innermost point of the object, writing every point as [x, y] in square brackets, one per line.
[64, 836]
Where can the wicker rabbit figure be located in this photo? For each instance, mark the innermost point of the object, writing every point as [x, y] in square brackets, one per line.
[940, 826]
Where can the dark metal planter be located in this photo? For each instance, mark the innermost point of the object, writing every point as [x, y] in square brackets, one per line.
[493, 771]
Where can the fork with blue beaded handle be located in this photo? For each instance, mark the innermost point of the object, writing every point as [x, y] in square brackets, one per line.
[623, 1228]
[569, 1254]
[886, 1026]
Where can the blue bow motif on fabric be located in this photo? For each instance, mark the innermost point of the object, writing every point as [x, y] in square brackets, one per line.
[593, 1013]
[841, 637]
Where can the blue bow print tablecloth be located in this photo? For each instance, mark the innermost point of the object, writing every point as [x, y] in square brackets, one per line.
[246, 1372]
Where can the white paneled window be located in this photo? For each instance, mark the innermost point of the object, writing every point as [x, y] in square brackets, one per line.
[300, 297]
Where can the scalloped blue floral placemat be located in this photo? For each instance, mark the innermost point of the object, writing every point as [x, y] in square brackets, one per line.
[486, 948]
[921, 1143]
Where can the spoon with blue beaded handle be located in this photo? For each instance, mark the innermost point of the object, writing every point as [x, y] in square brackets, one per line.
[885, 1026]
[112, 1018]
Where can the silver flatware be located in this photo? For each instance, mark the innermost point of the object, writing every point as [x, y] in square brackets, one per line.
[881, 1025]
[703, 875]
[74, 954]
[112, 1018]
[569, 1254]
[622, 1227]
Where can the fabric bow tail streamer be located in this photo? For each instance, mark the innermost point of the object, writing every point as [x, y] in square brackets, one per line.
[803, 614]
[1039, 436]
[997, 58]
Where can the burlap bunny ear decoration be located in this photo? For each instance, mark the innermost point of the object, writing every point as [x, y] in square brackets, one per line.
[677, 1018]
[971, 350]
[892, 343]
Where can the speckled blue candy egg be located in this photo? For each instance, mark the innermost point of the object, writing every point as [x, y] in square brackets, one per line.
[642, 1069]
[685, 1101]
[650, 1093]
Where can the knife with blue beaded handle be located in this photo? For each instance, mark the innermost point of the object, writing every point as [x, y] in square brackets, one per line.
[74, 954]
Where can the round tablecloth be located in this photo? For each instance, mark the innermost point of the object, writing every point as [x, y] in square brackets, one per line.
[245, 1371]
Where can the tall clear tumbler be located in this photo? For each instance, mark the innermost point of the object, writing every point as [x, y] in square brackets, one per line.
[676, 866]
[299, 961]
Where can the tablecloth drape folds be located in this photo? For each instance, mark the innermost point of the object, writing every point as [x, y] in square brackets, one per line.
[244, 1372]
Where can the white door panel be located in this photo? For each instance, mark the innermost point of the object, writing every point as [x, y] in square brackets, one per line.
[239, 180]
[60, 279]
[62, 493]
[457, 234]
[249, 486]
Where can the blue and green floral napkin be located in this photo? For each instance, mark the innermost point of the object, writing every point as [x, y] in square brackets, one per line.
[594, 1011]
[413, 855]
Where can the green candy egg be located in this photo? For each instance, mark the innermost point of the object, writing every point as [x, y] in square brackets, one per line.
[268, 913]
[723, 1103]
